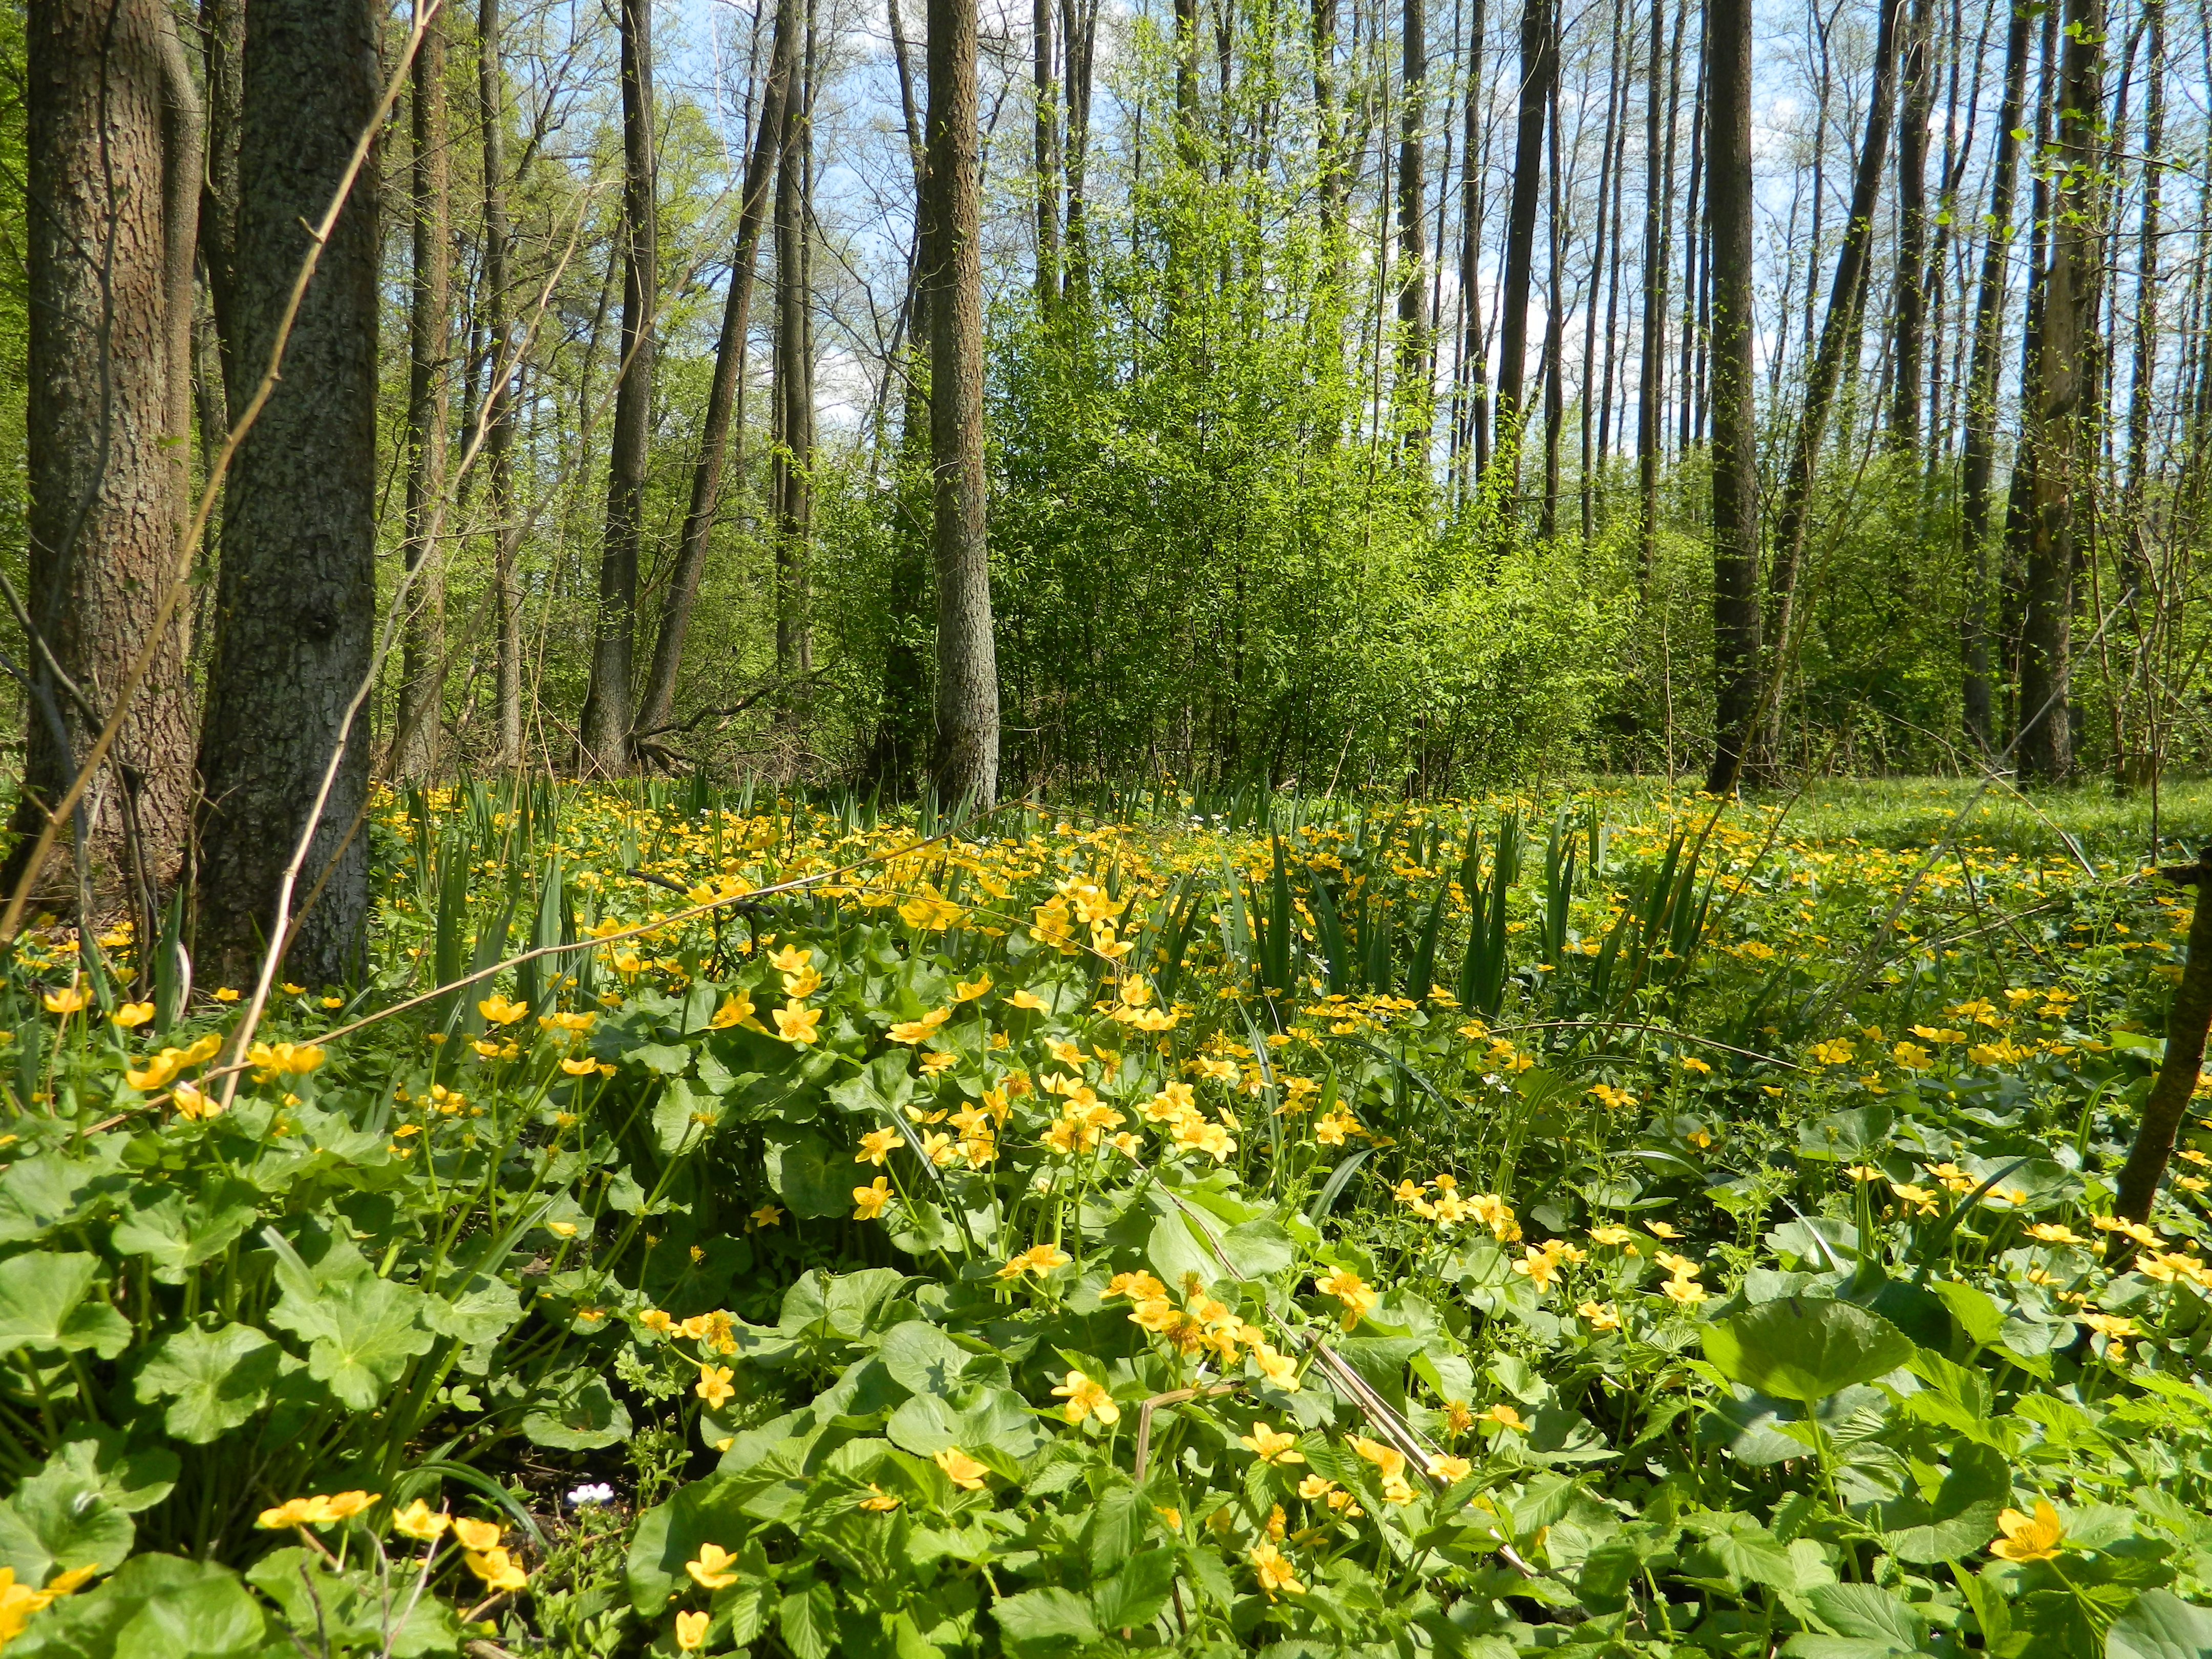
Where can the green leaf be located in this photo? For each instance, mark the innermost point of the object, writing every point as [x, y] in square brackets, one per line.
[1978, 1318]
[1803, 1350]
[923, 1359]
[669, 1534]
[586, 1418]
[808, 1620]
[1963, 1516]
[214, 1618]
[812, 1177]
[1261, 1249]
[43, 1306]
[40, 1193]
[1043, 1619]
[359, 1334]
[59, 1519]
[2160, 1625]
[1134, 1595]
[179, 1235]
[218, 1380]
[90, 1622]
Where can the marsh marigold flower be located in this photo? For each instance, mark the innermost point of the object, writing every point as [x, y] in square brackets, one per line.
[2028, 1537]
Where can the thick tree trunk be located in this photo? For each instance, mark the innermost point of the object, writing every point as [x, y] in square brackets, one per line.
[792, 486]
[1978, 457]
[499, 436]
[656, 708]
[1735, 426]
[1838, 348]
[297, 592]
[606, 720]
[104, 491]
[422, 652]
[1658, 188]
[2063, 501]
[966, 764]
[1473, 437]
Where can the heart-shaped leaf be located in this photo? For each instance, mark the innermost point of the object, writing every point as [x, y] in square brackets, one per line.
[1803, 1350]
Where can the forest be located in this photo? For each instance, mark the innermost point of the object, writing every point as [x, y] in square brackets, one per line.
[1347, 831]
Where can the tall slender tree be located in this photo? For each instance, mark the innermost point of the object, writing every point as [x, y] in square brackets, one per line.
[792, 488]
[297, 589]
[1910, 320]
[1539, 75]
[607, 706]
[417, 729]
[499, 434]
[1736, 428]
[966, 763]
[1413, 347]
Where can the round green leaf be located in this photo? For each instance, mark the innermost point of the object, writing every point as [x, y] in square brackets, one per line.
[1803, 1350]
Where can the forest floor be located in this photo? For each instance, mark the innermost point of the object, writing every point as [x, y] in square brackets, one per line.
[1600, 1220]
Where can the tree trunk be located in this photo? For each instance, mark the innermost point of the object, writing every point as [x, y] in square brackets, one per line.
[1658, 189]
[1735, 426]
[1917, 89]
[1413, 379]
[1473, 436]
[1979, 448]
[792, 485]
[1555, 294]
[1839, 347]
[966, 765]
[1539, 67]
[104, 491]
[606, 720]
[1616, 98]
[297, 592]
[1046, 91]
[499, 436]
[429, 327]
[2062, 504]
[2145, 329]
[656, 708]
[223, 26]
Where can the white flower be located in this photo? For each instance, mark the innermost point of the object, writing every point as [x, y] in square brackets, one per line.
[592, 1492]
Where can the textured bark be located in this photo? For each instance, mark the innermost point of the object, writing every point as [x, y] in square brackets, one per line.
[1735, 426]
[1045, 85]
[222, 28]
[606, 719]
[429, 328]
[2061, 504]
[1658, 187]
[1472, 437]
[1977, 460]
[103, 523]
[966, 763]
[1413, 372]
[1539, 70]
[1917, 89]
[1616, 97]
[724, 393]
[499, 434]
[794, 488]
[183, 166]
[2186, 1020]
[296, 595]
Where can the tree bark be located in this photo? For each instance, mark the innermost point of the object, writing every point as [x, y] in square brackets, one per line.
[1658, 189]
[656, 708]
[607, 707]
[792, 485]
[297, 592]
[429, 328]
[1413, 372]
[1539, 70]
[2187, 1018]
[1735, 426]
[223, 27]
[103, 487]
[2061, 504]
[966, 763]
[1917, 90]
[1473, 437]
[1978, 457]
[1046, 91]
[1615, 101]
[499, 435]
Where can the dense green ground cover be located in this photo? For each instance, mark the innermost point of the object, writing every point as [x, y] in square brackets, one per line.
[1601, 1223]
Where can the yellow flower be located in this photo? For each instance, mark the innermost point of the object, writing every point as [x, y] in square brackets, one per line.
[1279, 1369]
[224, 994]
[715, 1569]
[131, 1015]
[1275, 1570]
[420, 1522]
[1086, 1399]
[928, 911]
[476, 1534]
[737, 1008]
[1348, 1288]
[292, 990]
[1448, 1470]
[157, 1070]
[714, 1386]
[1612, 1236]
[1688, 1292]
[498, 1569]
[1037, 1259]
[868, 1201]
[318, 1511]
[691, 1631]
[796, 1024]
[1601, 1316]
[580, 1067]
[876, 1145]
[498, 1011]
[294, 1059]
[66, 1002]
[1504, 1415]
[968, 990]
[1029, 999]
[919, 1030]
[1316, 1486]
[1270, 1445]
[1661, 1230]
[2024, 1538]
[767, 1216]
[1538, 1266]
[791, 959]
[2050, 1233]
[878, 1502]
[962, 1470]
